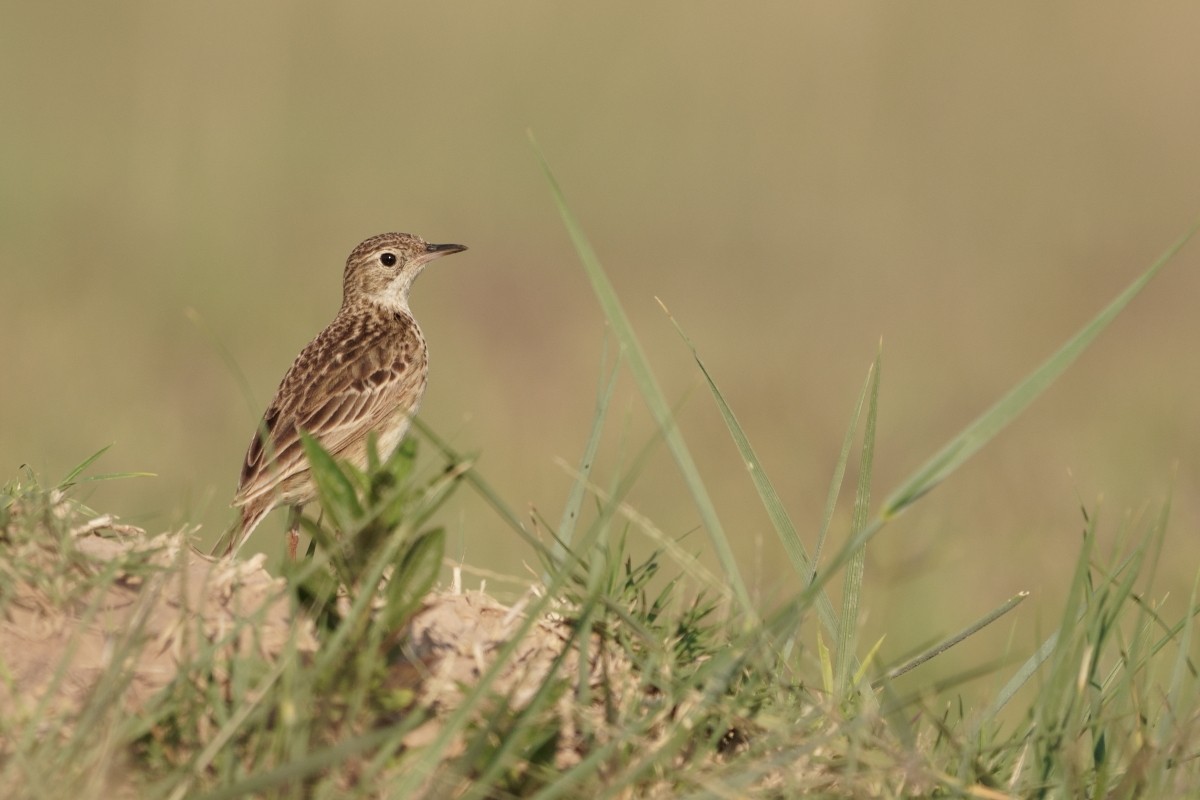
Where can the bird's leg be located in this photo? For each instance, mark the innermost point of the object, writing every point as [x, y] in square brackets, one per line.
[293, 534]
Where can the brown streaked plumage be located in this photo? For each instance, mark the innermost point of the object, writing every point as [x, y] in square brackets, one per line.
[365, 372]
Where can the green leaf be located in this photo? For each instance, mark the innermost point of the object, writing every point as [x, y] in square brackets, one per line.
[334, 487]
[415, 576]
[328, 543]
[402, 461]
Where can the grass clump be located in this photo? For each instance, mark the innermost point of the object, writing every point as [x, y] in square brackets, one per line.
[613, 676]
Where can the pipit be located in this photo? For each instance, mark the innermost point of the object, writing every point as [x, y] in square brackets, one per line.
[364, 373]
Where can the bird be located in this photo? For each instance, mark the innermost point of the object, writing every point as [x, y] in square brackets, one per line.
[364, 373]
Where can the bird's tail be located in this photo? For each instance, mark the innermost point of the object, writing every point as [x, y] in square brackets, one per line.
[239, 531]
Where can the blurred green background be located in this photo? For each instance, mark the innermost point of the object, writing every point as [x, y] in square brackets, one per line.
[794, 181]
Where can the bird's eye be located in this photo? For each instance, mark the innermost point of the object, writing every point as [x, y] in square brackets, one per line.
[387, 259]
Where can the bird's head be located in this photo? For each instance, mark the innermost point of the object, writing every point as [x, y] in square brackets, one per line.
[382, 269]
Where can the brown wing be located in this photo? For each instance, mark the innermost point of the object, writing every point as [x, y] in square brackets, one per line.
[345, 383]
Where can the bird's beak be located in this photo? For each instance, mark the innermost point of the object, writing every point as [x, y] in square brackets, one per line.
[433, 251]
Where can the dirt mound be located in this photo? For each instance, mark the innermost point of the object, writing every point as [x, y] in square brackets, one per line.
[108, 605]
[112, 593]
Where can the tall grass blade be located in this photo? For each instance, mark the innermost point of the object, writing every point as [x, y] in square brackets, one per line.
[648, 386]
[852, 585]
[950, 641]
[986, 427]
[839, 474]
[1010, 406]
[784, 528]
[566, 528]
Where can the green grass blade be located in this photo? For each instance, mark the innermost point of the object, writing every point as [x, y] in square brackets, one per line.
[852, 585]
[115, 476]
[254, 784]
[771, 501]
[1182, 675]
[839, 474]
[986, 427]
[566, 528]
[784, 528]
[648, 386]
[69, 478]
[1020, 677]
[482, 487]
[1011, 405]
[1073, 613]
[872, 654]
[827, 682]
[950, 641]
